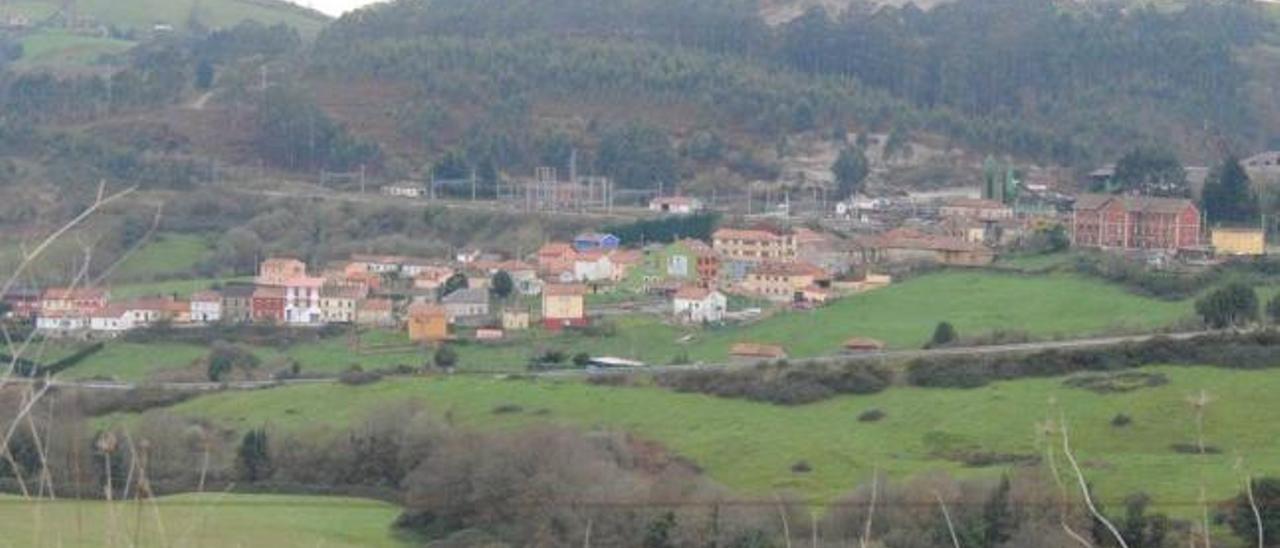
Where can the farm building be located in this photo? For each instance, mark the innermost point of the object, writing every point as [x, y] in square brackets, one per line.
[1239, 242]
[427, 323]
[1135, 223]
[757, 352]
[564, 305]
[694, 304]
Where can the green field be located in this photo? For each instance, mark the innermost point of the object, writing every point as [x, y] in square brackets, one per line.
[200, 520]
[167, 254]
[143, 14]
[52, 48]
[903, 315]
[751, 446]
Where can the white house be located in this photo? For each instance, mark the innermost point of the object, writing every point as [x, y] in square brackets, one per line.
[206, 307]
[700, 305]
[111, 320]
[302, 300]
[677, 205]
[61, 321]
[405, 190]
[593, 266]
[378, 264]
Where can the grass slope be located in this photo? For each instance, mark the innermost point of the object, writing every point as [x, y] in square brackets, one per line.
[201, 520]
[751, 446]
[903, 315]
[166, 255]
[143, 14]
[53, 48]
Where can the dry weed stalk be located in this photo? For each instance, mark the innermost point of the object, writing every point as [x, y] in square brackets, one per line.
[1084, 486]
[951, 528]
[871, 508]
[1199, 404]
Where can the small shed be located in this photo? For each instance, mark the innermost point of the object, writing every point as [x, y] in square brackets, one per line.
[756, 351]
[864, 344]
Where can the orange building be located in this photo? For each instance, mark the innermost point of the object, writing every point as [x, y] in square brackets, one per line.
[428, 323]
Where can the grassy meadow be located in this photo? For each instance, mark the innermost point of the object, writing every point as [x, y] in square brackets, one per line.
[200, 520]
[752, 446]
[903, 315]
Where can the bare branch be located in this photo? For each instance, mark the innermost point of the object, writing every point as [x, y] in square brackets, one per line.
[1084, 488]
[951, 528]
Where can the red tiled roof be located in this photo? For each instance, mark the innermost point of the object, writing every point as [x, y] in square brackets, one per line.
[798, 268]
[376, 305]
[564, 290]
[1133, 204]
[424, 310]
[693, 293]
[754, 350]
[206, 297]
[78, 293]
[740, 234]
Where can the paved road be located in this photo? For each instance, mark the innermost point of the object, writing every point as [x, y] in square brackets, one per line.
[895, 355]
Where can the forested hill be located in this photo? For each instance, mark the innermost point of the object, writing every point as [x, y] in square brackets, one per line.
[1018, 76]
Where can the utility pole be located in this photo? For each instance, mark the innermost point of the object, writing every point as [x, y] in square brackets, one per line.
[473, 185]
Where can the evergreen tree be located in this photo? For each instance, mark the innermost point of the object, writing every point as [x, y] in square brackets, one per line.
[851, 169]
[502, 285]
[1228, 196]
[253, 458]
[454, 283]
[446, 357]
[943, 335]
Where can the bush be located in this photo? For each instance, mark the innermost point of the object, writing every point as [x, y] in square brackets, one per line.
[507, 409]
[781, 383]
[357, 376]
[1194, 449]
[609, 379]
[1121, 420]
[801, 467]
[871, 415]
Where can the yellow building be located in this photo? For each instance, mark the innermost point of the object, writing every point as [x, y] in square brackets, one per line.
[754, 246]
[1239, 242]
[428, 323]
[564, 306]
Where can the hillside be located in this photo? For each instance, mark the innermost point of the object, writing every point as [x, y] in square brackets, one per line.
[80, 37]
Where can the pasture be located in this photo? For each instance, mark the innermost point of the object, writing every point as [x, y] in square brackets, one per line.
[751, 447]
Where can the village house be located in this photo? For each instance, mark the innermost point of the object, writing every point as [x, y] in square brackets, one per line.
[755, 246]
[376, 312]
[267, 305]
[784, 282]
[1239, 242]
[556, 262]
[824, 250]
[206, 307]
[906, 245]
[432, 279]
[1133, 223]
[81, 301]
[379, 264]
[63, 322]
[593, 266]
[564, 305]
[237, 303]
[676, 205]
[302, 300]
[338, 304]
[667, 268]
[515, 320]
[466, 305]
[976, 209]
[23, 302]
[111, 320]
[427, 323]
[593, 241]
[405, 190]
[147, 311]
[278, 270]
[696, 305]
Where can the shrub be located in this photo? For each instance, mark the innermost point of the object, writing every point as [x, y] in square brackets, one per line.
[871, 415]
[581, 359]
[801, 467]
[943, 335]
[446, 357]
[1121, 420]
[1194, 449]
[507, 409]
[356, 376]
[781, 383]
[609, 379]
